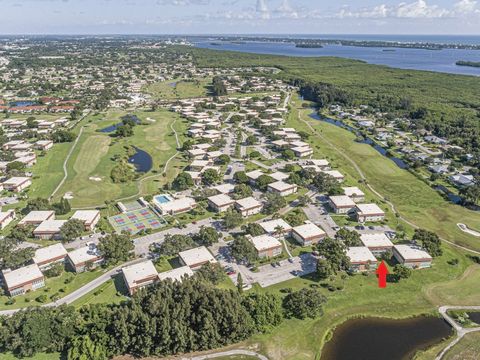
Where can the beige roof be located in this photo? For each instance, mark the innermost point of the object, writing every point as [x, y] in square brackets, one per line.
[375, 240]
[270, 226]
[318, 162]
[37, 216]
[176, 274]
[224, 188]
[342, 201]
[22, 275]
[308, 230]
[49, 226]
[409, 252]
[255, 174]
[265, 242]
[84, 254]
[334, 173]
[16, 181]
[221, 200]
[248, 203]
[48, 253]
[138, 272]
[353, 191]
[87, 216]
[358, 254]
[278, 175]
[281, 186]
[196, 256]
[177, 204]
[369, 209]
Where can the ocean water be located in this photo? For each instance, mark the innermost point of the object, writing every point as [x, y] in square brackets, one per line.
[417, 59]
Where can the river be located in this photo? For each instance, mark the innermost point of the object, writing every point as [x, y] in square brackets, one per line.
[403, 58]
[378, 339]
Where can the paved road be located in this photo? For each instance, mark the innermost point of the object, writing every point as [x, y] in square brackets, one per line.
[319, 217]
[461, 331]
[77, 294]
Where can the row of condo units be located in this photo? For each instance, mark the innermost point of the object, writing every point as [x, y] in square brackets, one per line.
[14, 126]
[15, 184]
[30, 277]
[288, 138]
[237, 83]
[23, 152]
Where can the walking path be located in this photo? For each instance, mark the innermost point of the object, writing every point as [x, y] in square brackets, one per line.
[460, 331]
[227, 353]
[465, 228]
[65, 171]
[362, 176]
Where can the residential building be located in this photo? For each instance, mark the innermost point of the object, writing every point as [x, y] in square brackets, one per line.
[84, 258]
[369, 213]
[308, 234]
[266, 246]
[46, 256]
[176, 206]
[276, 227]
[248, 206]
[177, 274]
[337, 175]
[139, 275]
[90, 218]
[17, 184]
[341, 204]
[303, 151]
[44, 144]
[6, 217]
[36, 217]
[49, 229]
[354, 193]
[376, 243]
[254, 175]
[412, 256]
[361, 259]
[220, 203]
[196, 258]
[19, 281]
[282, 188]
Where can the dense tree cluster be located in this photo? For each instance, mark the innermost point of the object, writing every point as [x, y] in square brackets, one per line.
[429, 241]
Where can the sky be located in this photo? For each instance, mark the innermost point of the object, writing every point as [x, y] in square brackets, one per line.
[455, 17]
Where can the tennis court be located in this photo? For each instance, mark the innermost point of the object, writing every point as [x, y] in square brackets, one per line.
[136, 221]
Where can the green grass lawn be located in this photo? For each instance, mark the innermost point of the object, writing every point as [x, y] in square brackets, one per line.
[467, 349]
[179, 89]
[91, 162]
[112, 292]
[39, 356]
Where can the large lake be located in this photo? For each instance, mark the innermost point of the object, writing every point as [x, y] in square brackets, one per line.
[372, 338]
[431, 60]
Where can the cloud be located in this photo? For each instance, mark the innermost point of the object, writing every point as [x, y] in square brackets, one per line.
[286, 10]
[420, 9]
[466, 7]
[262, 9]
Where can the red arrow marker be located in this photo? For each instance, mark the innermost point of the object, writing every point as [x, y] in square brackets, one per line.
[382, 272]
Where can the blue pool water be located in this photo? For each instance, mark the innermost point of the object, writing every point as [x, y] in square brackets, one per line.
[162, 199]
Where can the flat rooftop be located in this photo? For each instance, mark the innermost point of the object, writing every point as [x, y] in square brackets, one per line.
[248, 203]
[37, 216]
[176, 274]
[48, 253]
[353, 191]
[308, 230]
[87, 216]
[281, 186]
[22, 275]
[342, 201]
[139, 272]
[265, 242]
[410, 252]
[221, 200]
[360, 254]
[84, 254]
[197, 256]
[272, 225]
[369, 209]
[49, 226]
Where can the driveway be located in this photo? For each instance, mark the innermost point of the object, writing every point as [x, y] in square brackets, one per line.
[318, 215]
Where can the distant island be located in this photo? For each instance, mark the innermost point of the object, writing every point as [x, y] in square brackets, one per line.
[309, 45]
[468, 63]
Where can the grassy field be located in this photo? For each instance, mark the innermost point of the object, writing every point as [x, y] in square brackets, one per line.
[91, 162]
[467, 349]
[179, 89]
[40, 356]
[111, 292]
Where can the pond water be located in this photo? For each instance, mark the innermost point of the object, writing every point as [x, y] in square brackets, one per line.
[114, 127]
[451, 196]
[373, 338]
[172, 84]
[474, 316]
[142, 160]
[399, 162]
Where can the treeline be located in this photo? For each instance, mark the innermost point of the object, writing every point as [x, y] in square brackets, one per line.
[165, 319]
[218, 87]
[323, 94]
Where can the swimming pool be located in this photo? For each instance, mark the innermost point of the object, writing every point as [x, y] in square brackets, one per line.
[162, 199]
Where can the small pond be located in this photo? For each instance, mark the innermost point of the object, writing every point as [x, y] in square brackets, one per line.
[399, 162]
[112, 128]
[374, 338]
[142, 160]
[23, 103]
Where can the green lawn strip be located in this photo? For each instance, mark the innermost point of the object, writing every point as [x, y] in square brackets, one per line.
[112, 292]
[39, 356]
[467, 349]
[179, 89]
